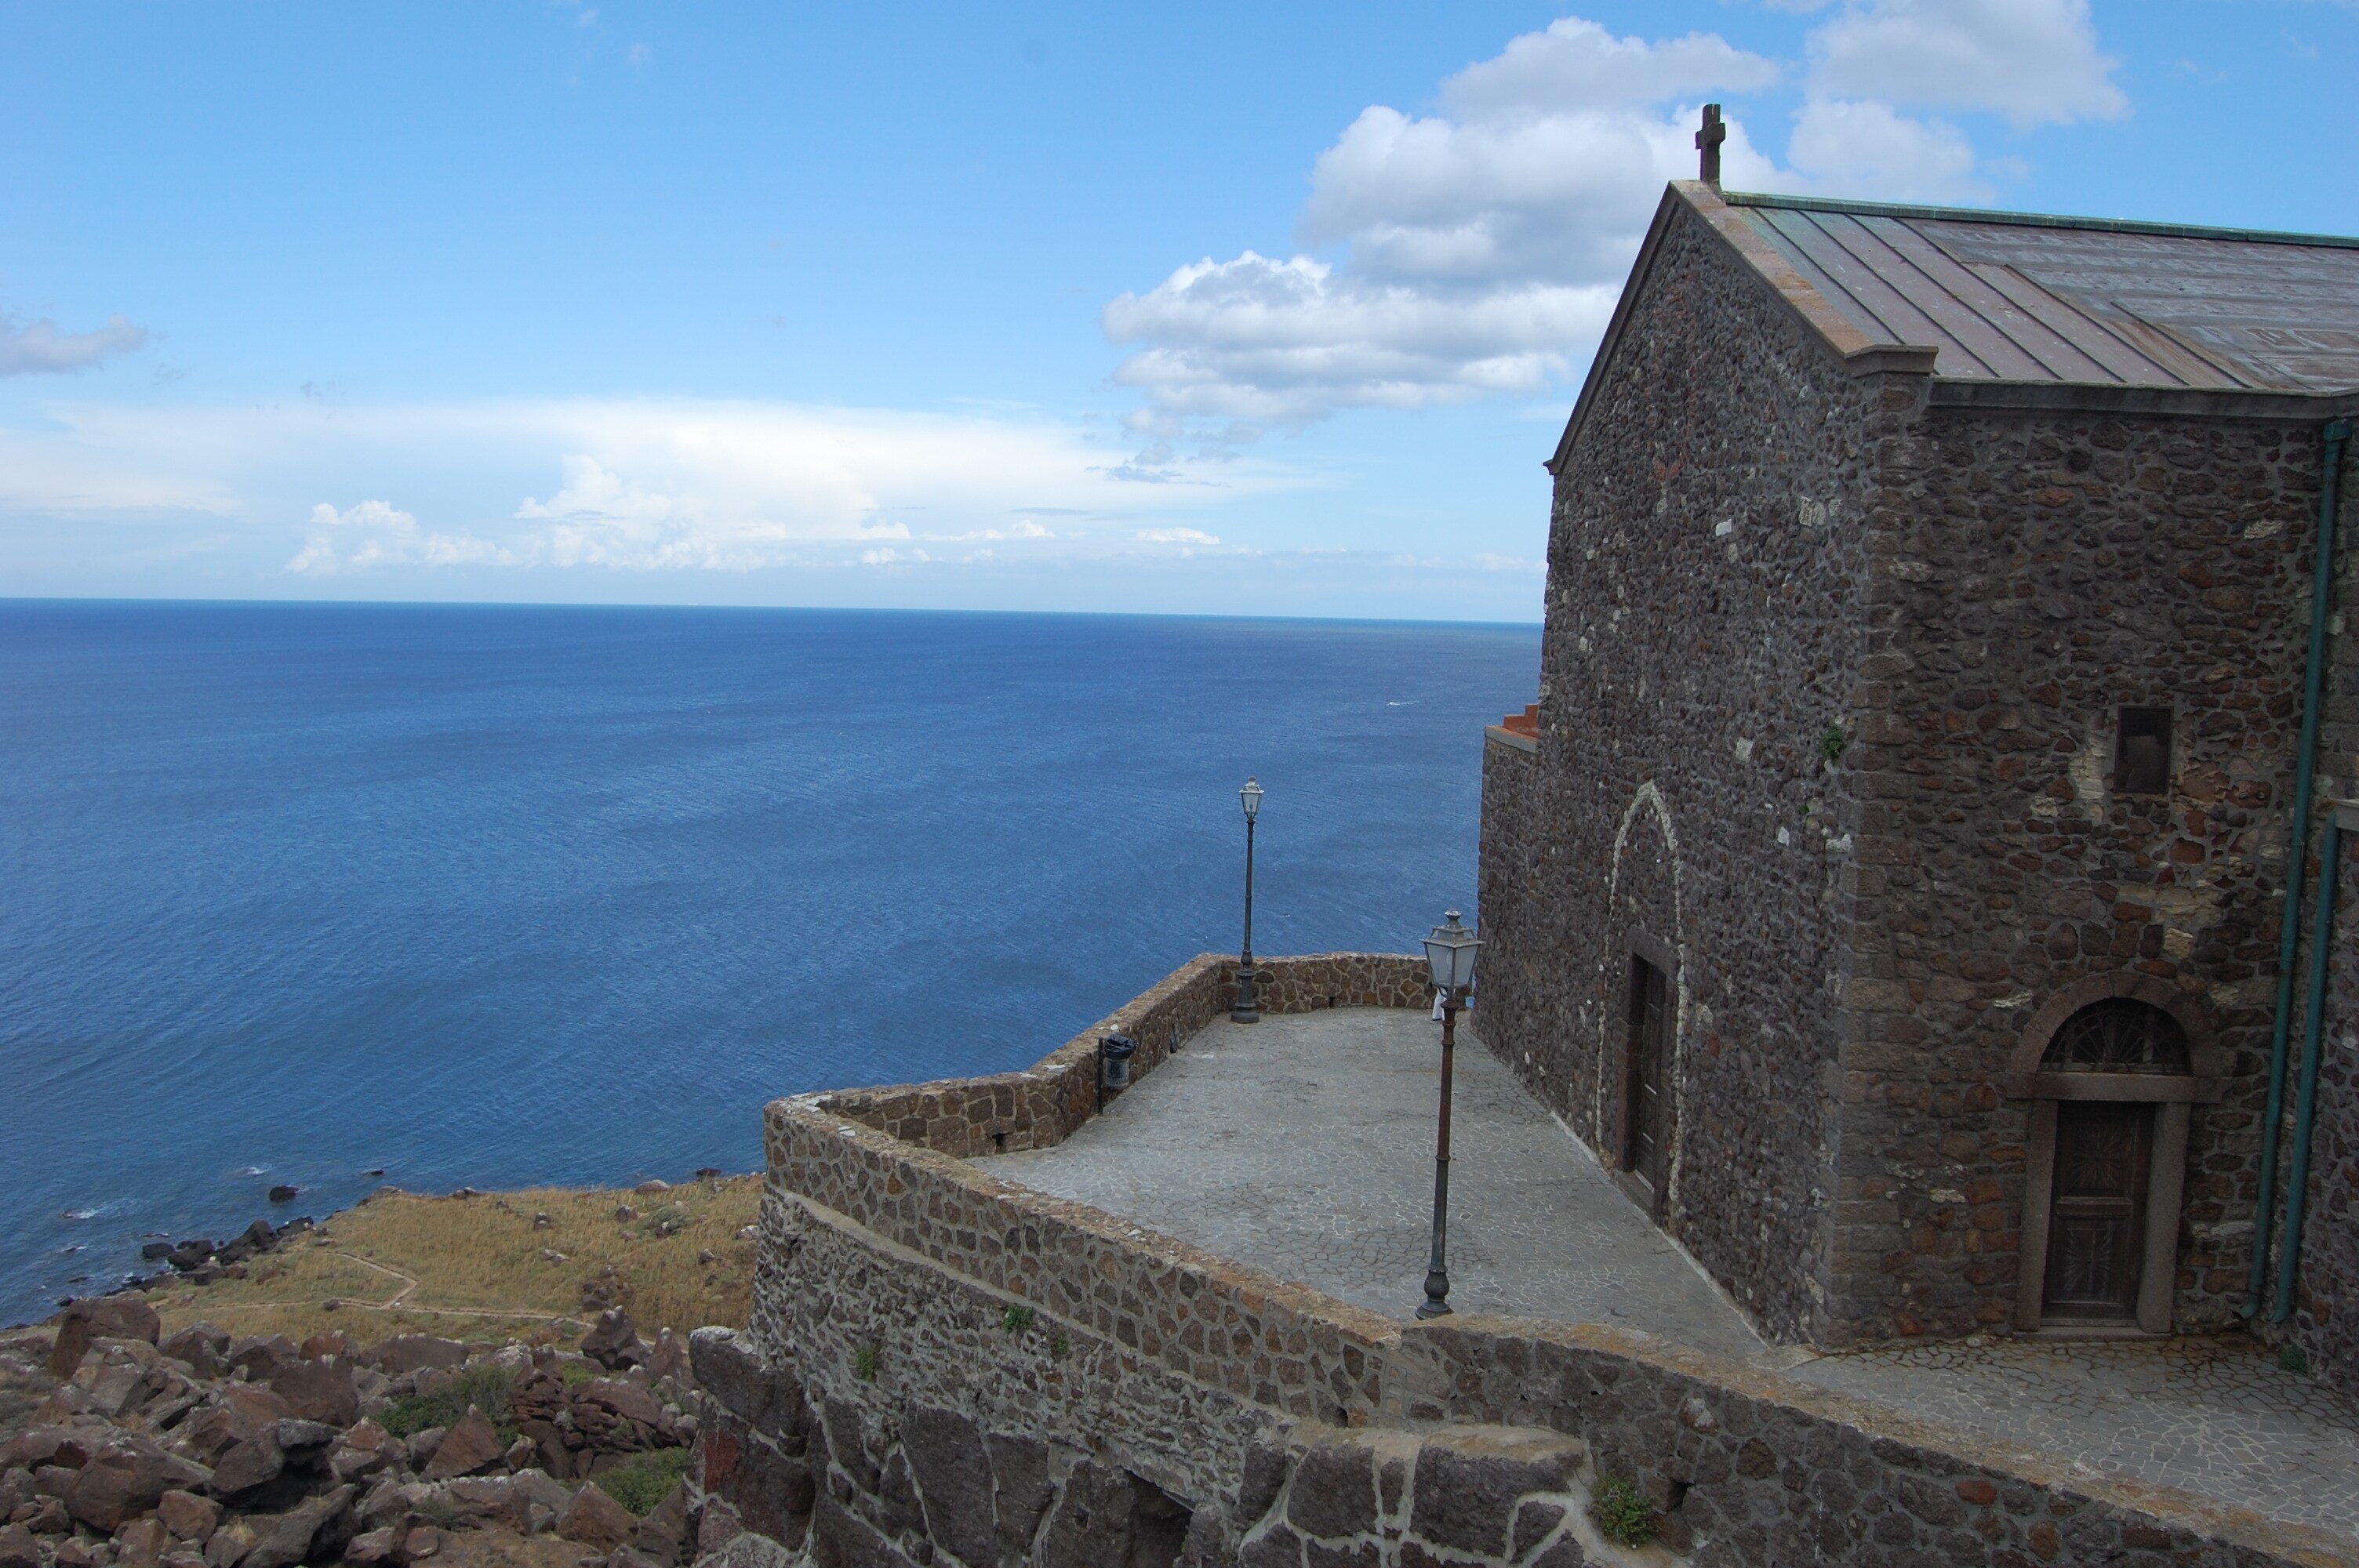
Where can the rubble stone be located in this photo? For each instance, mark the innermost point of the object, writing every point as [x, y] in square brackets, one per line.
[471, 1446]
[597, 1520]
[94, 1317]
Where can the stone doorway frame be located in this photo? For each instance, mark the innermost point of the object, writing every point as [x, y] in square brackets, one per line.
[2172, 1097]
[1637, 942]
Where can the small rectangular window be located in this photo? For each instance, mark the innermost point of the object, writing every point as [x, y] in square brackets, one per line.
[2142, 752]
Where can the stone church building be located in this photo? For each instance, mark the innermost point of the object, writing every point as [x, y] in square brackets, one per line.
[1890, 885]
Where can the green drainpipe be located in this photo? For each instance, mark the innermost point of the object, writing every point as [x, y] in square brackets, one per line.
[2305, 1114]
[2305, 775]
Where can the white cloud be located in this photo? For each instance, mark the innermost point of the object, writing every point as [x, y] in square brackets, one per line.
[1480, 249]
[1026, 529]
[92, 468]
[39, 348]
[1868, 149]
[1521, 195]
[1483, 246]
[2035, 62]
[1575, 62]
[1275, 342]
[633, 485]
[382, 534]
[734, 486]
[1176, 536]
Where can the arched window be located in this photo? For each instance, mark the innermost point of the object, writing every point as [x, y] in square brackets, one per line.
[2119, 1035]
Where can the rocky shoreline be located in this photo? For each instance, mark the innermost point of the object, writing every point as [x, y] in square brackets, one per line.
[199, 1260]
[200, 1449]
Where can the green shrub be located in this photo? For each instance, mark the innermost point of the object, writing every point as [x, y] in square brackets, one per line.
[863, 1363]
[1621, 1512]
[1015, 1319]
[643, 1481]
[485, 1388]
[1833, 742]
[2293, 1358]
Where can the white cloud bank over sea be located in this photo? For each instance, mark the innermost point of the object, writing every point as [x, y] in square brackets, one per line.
[633, 485]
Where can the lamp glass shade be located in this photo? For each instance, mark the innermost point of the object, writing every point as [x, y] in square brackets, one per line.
[1251, 795]
[1450, 954]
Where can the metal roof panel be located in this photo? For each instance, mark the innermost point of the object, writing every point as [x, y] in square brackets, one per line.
[1855, 288]
[2030, 297]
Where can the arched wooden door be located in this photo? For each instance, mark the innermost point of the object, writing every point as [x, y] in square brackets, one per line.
[2114, 1067]
[2097, 1210]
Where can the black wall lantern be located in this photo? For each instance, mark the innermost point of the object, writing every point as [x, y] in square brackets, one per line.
[1115, 1052]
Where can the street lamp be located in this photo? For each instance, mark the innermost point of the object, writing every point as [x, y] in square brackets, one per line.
[1246, 1009]
[1450, 954]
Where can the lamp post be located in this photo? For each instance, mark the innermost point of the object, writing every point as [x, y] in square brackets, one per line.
[1450, 954]
[1247, 1011]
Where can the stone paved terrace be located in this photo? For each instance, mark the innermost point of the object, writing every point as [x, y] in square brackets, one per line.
[1303, 1145]
[2215, 1416]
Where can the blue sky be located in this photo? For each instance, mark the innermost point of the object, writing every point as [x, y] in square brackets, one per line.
[1265, 308]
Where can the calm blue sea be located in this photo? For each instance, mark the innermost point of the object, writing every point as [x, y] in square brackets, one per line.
[496, 895]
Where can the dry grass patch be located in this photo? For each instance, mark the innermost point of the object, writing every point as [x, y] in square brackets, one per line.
[504, 1549]
[478, 1268]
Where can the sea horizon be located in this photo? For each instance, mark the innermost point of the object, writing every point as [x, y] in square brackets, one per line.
[497, 896]
[227, 603]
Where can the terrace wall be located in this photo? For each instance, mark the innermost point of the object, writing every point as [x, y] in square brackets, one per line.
[947, 1368]
[1040, 1107]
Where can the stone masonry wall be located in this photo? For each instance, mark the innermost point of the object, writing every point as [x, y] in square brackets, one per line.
[1040, 1107]
[1754, 556]
[944, 1368]
[2325, 1320]
[1708, 563]
[1194, 1314]
[1509, 888]
[2032, 574]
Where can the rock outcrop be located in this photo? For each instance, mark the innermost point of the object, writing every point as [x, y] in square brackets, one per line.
[201, 1450]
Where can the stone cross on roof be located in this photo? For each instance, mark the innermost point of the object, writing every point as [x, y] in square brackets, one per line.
[1707, 140]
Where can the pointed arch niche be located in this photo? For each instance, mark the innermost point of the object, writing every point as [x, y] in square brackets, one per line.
[2113, 1067]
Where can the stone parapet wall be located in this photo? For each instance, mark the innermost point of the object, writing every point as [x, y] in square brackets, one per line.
[895, 1404]
[1201, 1317]
[945, 1369]
[1752, 1468]
[1317, 980]
[1040, 1107]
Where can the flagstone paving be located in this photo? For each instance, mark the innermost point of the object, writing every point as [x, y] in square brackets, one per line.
[1303, 1145]
[2214, 1415]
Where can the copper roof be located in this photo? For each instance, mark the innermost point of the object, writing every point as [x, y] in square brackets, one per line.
[2024, 297]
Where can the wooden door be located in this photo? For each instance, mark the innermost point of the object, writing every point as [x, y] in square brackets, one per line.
[2096, 1220]
[1645, 1106]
